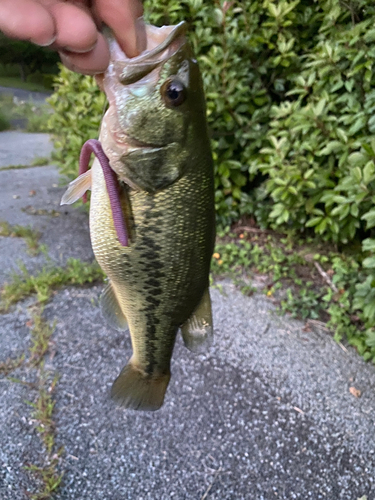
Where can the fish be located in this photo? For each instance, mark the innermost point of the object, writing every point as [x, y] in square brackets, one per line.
[152, 212]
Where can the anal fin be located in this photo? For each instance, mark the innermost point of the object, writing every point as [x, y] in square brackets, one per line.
[197, 331]
[111, 309]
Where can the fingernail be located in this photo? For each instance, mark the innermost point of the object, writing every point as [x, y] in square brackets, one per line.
[46, 44]
[67, 61]
[77, 51]
[141, 36]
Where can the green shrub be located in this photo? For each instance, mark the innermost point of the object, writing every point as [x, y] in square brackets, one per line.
[78, 108]
[248, 53]
[320, 158]
[290, 79]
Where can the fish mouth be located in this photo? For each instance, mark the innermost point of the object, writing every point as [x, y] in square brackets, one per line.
[134, 144]
[163, 43]
[162, 39]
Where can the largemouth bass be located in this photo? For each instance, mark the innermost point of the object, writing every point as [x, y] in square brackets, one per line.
[152, 221]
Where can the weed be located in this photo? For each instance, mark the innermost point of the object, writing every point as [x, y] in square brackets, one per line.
[29, 115]
[309, 282]
[43, 409]
[304, 303]
[14, 167]
[40, 335]
[30, 210]
[40, 161]
[76, 272]
[30, 385]
[245, 287]
[10, 364]
[40, 339]
[30, 236]
[50, 478]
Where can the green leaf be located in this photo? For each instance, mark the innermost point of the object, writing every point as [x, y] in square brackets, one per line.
[369, 262]
[356, 158]
[313, 221]
[277, 210]
[321, 227]
[368, 245]
[370, 218]
[368, 172]
[318, 110]
[357, 125]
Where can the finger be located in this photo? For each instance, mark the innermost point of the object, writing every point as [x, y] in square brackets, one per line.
[121, 16]
[89, 63]
[27, 20]
[75, 28]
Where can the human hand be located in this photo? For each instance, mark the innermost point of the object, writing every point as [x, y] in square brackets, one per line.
[72, 28]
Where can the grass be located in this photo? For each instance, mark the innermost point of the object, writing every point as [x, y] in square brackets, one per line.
[37, 82]
[30, 236]
[36, 116]
[44, 282]
[16, 82]
[4, 122]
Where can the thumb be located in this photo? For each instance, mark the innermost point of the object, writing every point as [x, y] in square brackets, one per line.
[124, 18]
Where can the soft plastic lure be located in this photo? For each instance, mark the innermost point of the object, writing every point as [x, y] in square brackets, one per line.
[111, 180]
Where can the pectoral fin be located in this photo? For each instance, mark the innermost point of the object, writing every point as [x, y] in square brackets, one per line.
[77, 189]
[197, 331]
[111, 309]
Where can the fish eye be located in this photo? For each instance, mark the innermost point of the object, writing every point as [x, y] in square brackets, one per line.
[173, 93]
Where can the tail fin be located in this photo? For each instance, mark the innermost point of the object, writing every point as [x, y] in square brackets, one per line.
[133, 389]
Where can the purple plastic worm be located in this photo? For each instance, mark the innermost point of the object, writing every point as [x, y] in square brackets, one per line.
[94, 146]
